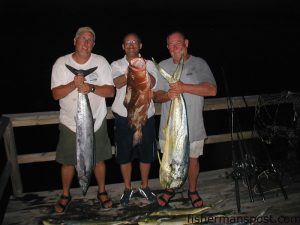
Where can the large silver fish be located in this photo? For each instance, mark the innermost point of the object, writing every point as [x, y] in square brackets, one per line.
[174, 165]
[138, 97]
[85, 153]
[162, 217]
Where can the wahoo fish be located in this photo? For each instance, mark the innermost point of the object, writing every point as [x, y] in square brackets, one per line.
[138, 97]
[174, 165]
[85, 152]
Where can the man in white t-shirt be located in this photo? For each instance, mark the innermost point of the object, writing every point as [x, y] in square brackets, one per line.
[65, 87]
[125, 152]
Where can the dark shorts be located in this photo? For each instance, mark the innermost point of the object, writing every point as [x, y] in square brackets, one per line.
[123, 140]
[66, 148]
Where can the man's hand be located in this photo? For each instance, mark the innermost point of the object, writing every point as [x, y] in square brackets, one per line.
[79, 80]
[176, 89]
[85, 88]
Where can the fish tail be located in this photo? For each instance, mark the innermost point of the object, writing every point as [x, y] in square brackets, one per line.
[84, 183]
[137, 137]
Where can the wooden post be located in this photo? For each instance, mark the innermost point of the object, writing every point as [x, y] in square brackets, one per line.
[11, 153]
[4, 177]
[5, 173]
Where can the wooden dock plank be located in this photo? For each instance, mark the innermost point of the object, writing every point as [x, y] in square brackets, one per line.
[215, 187]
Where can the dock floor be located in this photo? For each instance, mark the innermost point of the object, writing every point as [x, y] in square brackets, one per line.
[217, 188]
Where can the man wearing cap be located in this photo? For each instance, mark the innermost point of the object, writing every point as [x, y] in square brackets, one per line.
[65, 87]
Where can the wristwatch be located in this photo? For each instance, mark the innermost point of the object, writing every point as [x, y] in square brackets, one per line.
[93, 89]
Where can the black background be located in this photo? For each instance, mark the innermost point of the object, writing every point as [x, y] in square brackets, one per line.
[254, 43]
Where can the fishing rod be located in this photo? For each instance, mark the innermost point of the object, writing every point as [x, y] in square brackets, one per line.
[243, 161]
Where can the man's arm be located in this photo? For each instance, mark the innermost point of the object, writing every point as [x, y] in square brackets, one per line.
[104, 90]
[152, 80]
[120, 81]
[62, 91]
[202, 89]
[161, 96]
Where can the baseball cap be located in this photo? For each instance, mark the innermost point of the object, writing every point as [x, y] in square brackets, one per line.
[85, 29]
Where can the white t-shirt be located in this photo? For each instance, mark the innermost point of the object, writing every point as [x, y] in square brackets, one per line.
[61, 75]
[119, 67]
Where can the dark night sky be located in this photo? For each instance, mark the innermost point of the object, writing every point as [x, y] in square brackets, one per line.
[255, 42]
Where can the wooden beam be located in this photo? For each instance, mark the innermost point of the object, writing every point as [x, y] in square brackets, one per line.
[50, 156]
[52, 117]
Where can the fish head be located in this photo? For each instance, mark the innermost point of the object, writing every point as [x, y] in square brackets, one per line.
[137, 64]
[137, 71]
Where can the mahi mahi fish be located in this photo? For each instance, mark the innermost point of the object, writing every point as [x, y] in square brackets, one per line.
[161, 217]
[85, 153]
[138, 97]
[174, 165]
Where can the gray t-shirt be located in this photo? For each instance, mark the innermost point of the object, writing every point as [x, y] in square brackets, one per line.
[195, 71]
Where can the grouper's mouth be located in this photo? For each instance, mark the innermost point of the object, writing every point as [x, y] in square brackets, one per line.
[138, 64]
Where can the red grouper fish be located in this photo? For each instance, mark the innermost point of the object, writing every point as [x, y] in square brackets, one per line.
[138, 97]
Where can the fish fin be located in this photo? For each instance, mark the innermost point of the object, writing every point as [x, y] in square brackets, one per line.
[159, 158]
[167, 76]
[127, 96]
[137, 137]
[179, 69]
[72, 69]
[89, 71]
[155, 63]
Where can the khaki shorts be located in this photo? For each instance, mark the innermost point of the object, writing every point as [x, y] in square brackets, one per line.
[196, 148]
[66, 148]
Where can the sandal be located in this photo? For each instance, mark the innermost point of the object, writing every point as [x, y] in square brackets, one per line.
[168, 192]
[198, 199]
[104, 203]
[59, 206]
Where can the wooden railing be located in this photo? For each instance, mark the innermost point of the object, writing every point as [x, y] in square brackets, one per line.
[6, 171]
[9, 121]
